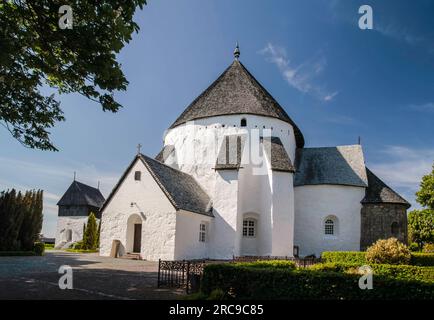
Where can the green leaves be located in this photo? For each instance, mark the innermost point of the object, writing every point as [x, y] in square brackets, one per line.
[425, 196]
[36, 52]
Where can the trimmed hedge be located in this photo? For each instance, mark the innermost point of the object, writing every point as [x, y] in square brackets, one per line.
[242, 282]
[344, 257]
[280, 264]
[397, 272]
[39, 248]
[417, 259]
[422, 259]
[17, 253]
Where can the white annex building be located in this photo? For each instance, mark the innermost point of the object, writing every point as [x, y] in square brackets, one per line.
[233, 178]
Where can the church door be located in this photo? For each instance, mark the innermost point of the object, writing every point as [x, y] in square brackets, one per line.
[137, 237]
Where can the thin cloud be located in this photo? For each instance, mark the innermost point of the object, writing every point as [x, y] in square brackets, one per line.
[300, 77]
[404, 169]
[427, 107]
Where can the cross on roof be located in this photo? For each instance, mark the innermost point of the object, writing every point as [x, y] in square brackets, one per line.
[139, 146]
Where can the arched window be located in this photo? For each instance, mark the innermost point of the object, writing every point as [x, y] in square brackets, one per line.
[329, 227]
[394, 228]
[243, 122]
[249, 228]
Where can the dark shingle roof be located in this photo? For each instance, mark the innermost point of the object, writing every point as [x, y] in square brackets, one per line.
[80, 194]
[343, 165]
[379, 192]
[182, 189]
[230, 153]
[236, 91]
[164, 153]
[279, 158]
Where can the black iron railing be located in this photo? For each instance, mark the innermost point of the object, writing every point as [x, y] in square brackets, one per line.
[186, 274]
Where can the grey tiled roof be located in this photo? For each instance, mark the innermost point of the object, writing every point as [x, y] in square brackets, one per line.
[236, 91]
[279, 158]
[230, 153]
[80, 194]
[379, 192]
[182, 189]
[164, 153]
[343, 165]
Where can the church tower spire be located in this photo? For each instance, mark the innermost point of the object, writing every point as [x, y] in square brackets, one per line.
[237, 51]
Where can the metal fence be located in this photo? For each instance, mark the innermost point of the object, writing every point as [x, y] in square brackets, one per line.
[186, 274]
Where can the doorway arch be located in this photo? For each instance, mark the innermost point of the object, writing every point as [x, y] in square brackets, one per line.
[134, 234]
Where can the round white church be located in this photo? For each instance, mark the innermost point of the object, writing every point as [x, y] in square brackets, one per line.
[233, 178]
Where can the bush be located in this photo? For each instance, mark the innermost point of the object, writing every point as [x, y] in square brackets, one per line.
[78, 245]
[280, 264]
[217, 294]
[17, 253]
[344, 257]
[428, 248]
[389, 251]
[414, 247]
[49, 246]
[39, 248]
[241, 282]
[422, 259]
[397, 272]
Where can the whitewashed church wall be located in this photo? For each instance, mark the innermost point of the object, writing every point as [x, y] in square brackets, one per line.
[223, 236]
[313, 203]
[145, 199]
[282, 216]
[75, 224]
[187, 244]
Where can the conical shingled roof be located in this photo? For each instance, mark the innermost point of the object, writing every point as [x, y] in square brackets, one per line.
[379, 192]
[236, 91]
[80, 194]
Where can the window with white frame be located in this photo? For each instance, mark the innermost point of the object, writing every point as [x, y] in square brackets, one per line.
[329, 227]
[202, 232]
[249, 228]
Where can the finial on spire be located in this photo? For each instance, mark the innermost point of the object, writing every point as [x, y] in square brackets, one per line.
[74, 175]
[237, 51]
[139, 146]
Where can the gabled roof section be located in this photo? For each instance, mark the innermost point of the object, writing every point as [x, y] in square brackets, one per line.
[342, 165]
[230, 153]
[164, 153]
[236, 91]
[379, 192]
[182, 190]
[80, 194]
[279, 159]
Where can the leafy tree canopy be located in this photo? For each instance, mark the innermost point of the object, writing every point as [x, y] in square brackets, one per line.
[421, 226]
[425, 196]
[35, 51]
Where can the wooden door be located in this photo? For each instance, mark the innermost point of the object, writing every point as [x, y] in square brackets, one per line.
[137, 237]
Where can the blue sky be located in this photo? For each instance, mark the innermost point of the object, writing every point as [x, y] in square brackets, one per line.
[336, 81]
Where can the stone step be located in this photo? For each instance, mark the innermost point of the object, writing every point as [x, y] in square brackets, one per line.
[131, 256]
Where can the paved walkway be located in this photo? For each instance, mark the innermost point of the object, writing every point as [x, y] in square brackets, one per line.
[94, 277]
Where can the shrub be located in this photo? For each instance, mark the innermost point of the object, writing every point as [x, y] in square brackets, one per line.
[389, 251]
[241, 282]
[428, 248]
[422, 259]
[16, 253]
[217, 294]
[344, 257]
[280, 264]
[78, 245]
[397, 272]
[414, 247]
[39, 248]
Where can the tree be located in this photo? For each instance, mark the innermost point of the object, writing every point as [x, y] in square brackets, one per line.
[421, 226]
[36, 51]
[98, 234]
[90, 236]
[425, 195]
